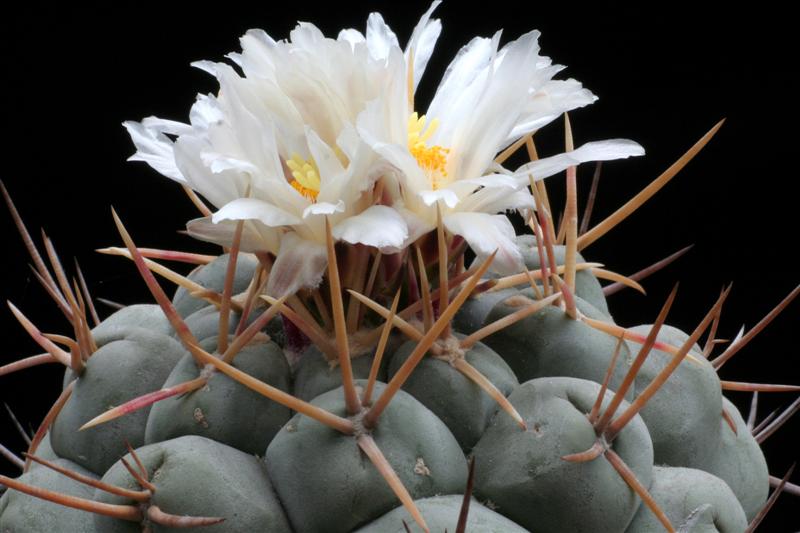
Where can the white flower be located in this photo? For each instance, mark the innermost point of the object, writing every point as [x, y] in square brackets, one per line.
[487, 99]
[278, 146]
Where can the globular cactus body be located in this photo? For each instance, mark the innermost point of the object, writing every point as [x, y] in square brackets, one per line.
[135, 362]
[336, 366]
[524, 473]
[309, 458]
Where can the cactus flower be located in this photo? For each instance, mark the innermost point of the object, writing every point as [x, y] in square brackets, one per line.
[278, 147]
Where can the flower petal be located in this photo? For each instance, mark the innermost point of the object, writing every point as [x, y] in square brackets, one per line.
[255, 238]
[380, 38]
[254, 209]
[486, 233]
[323, 208]
[422, 41]
[493, 181]
[416, 226]
[547, 103]
[592, 151]
[299, 264]
[219, 189]
[449, 197]
[328, 164]
[496, 200]
[492, 116]
[155, 149]
[470, 61]
[379, 226]
[219, 163]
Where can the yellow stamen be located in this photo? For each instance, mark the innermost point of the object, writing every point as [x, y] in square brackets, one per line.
[306, 176]
[433, 159]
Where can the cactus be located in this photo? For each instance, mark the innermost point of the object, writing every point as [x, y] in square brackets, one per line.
[337, 363]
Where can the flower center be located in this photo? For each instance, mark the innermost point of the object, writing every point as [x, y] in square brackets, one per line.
[431, 158]
[306, 176]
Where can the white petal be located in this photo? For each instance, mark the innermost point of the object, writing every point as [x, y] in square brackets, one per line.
[417, 227]
[384, 136]
[351, 36]
[210, 67]
[348, 140]
[379, 226]
[469, 62]
[170, 127]
[257, 54]
[255, 238]
[219, 189]
[328, 164]
[205, 112]
[482, 132]
[493, 180]
[496, 200]
[254, 209]
[422, 41]
[299, 264]
[219, 163]
[449, 197]
[323, 208]
[486, 233]
[380, 38]
[549, 102]
[592, 151]
[306, 35]
[155, 149]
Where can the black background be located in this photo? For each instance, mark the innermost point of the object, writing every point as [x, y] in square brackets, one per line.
[664, 74]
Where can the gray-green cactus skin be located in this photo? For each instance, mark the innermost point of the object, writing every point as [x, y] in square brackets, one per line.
[145, 316]
[20, 513]
[685, 421]
[462, 405]
[699, 500]
[550, 343]
[196, 476]
[314, 374]
[44, 451]
[225, 410]
[522, 471]
[326, 483]
[134, 363]
[587, 286]
[212, 276]
[204, 323]
[441, 514]
[201, 448]
[740, 462]
[683, 416]
[472, 315]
